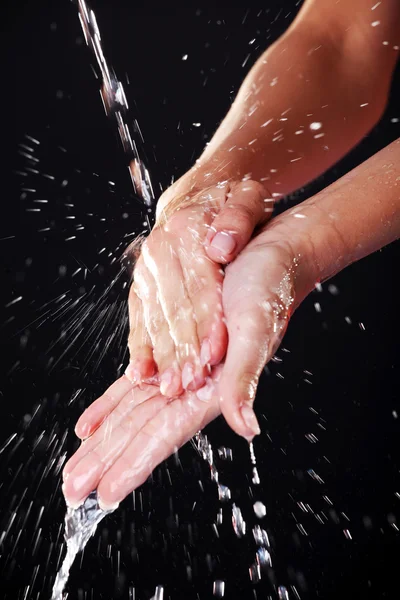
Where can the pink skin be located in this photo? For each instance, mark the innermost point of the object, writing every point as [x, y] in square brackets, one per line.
[175, 303]
[139, 430]
[134, 429]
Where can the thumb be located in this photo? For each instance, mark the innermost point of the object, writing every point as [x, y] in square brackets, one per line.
[248, 204]
[257, 314]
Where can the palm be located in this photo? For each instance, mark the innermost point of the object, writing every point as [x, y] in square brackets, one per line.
[132, 430]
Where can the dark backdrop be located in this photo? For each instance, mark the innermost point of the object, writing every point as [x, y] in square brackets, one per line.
[63, 327]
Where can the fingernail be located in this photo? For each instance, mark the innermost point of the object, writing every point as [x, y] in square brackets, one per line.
[223, 242]
[205, 393]
[187, 375]
[205, 352]
[132, 373]
[250, 419]
[165, 381]
[107, 507]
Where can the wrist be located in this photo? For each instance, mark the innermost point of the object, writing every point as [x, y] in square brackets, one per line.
[206, 173]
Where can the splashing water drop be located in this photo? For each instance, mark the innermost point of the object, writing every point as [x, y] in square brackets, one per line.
[263, 557]
[225, 453]
[256, 478]
[224, 493]
[283, 594]
[239, 524]
[159, 593]
[260, 536]
[219, 588]
[255, 573]
[259, 509]
[80, 524]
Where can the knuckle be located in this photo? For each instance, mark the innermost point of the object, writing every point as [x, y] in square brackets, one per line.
[248, 382]
[251, 186]
[237, 217]
[195, 284]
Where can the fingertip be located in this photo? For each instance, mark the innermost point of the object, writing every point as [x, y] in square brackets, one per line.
[107, 507]
[171, 383]
[82, 430]
[236, 407]
[70, 501]
[132, 372]
[111, 491]
[250, 421]
[244, 425]
[140, 369]
[222, 247]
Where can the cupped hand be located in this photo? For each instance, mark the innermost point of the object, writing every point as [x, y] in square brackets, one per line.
[175, 303]
[127, 432]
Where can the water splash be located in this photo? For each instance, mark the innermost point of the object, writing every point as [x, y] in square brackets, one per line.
[159, 593]
[80, 524]
[239, 524]
[283, 594]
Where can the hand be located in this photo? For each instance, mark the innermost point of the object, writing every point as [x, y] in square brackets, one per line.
[277, 269]
[130, 430]
[127, 432]
[175, 307]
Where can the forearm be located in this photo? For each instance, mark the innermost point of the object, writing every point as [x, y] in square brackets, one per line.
[304, 105]
[350, 219]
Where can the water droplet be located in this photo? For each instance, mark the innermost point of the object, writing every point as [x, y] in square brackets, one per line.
[224, 493]
[260, 536]
[219, 588]
[255, 573]
[283, 594]
[259, 509]
[239, 525]
[159, 593]
[256, 477]
[263, 557]
[225, 453]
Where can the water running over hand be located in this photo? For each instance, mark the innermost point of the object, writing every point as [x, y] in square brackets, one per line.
[80, 524]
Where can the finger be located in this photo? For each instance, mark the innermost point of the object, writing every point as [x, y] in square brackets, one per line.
[141, 364]
[111, 414]
[95, 414]
[163, 347]
[116, 435]
[172, 427]
[162, 261]
[248, 205]
[203, 282]
[257, 315]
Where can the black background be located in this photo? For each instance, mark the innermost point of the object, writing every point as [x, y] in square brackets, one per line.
[49, 92]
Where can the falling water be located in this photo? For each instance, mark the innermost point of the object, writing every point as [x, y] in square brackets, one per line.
[80, 524]
[116, 105]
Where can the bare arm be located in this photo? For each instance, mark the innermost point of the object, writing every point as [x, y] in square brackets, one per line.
[308, 100]
[352, 218]
[130, 429]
